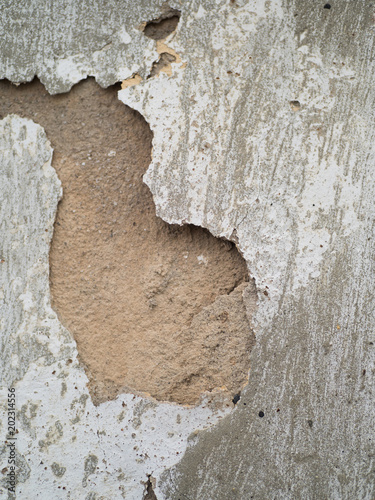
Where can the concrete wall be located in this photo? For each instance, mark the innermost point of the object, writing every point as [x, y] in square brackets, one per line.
[263, 134]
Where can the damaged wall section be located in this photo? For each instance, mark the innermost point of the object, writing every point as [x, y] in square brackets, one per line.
[153, 307]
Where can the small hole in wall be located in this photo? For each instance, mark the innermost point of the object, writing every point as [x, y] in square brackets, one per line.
[327, 6]
[236, 398]
[153, 307]
[161, 28]
[295, 105]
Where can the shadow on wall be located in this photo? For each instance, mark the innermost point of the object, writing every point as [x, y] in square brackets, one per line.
[153, 307]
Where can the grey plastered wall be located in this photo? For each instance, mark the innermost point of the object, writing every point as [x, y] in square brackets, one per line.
[292, 184]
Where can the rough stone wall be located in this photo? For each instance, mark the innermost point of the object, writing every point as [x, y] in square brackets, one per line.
[263, 134]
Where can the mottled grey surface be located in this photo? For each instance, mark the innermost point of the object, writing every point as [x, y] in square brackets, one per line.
[313, 367]
[294, 184]
[25, 328]
[315, 385]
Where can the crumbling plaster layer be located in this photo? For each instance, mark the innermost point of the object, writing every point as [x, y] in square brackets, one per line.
[63, 42]
[63, 439]
[295, 187]
[227, 144]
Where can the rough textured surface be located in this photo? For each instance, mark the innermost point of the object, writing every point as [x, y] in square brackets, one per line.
[266, 136]
[294, 184]
[66, 447]
[63, 43]
[140, 285]
[23, 279]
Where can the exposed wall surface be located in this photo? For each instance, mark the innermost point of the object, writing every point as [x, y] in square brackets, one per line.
[263, 133]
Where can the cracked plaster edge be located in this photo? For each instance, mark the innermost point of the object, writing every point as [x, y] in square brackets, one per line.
[105, 62]
[241, 237]
[175, 71]
[148, 97]
[71, 70]
[135, 93]
[201, 416]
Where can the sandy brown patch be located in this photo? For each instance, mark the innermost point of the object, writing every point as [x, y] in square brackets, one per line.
[153, 307]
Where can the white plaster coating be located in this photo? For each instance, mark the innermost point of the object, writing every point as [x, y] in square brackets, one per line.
[63, 43]
[195, 116]
[57, 422]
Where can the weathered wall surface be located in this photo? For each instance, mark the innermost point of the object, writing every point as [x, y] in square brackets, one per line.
[67, 447]
[263, 133]
[63, 43]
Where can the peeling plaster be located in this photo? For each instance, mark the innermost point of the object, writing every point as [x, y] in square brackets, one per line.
[63, 43]
[293, 186]
[57, 422]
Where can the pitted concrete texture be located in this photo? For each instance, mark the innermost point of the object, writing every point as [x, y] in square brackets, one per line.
[263, 133]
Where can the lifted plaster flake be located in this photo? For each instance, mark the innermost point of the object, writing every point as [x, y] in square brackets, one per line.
[133, 80]
[130, 437]
[161, 65]
[64, 42]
